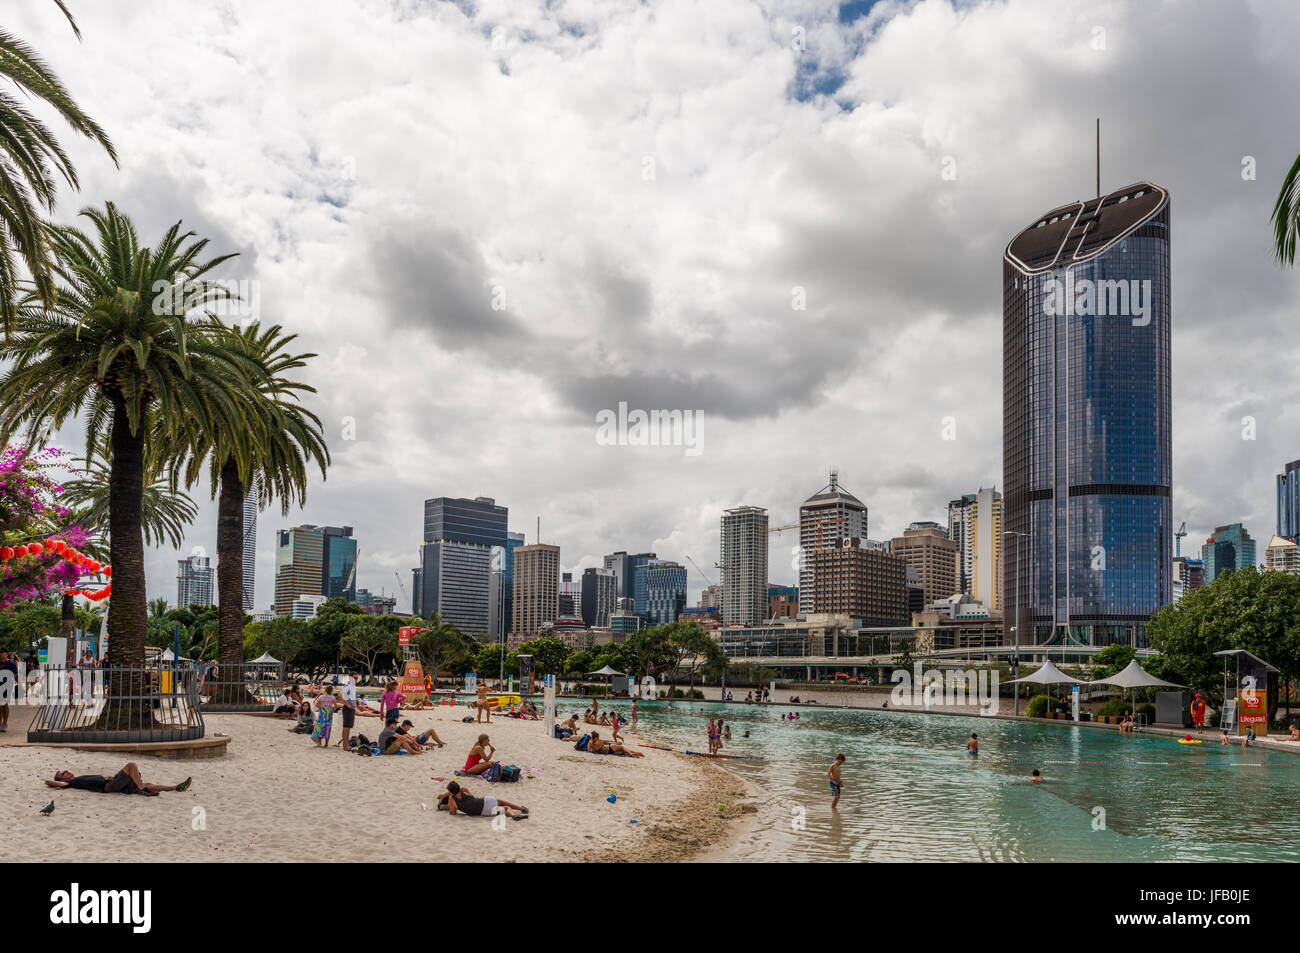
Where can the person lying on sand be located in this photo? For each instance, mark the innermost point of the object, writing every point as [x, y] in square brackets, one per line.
[425, 739]
[604, 747]
[459, 800]
[126, 781]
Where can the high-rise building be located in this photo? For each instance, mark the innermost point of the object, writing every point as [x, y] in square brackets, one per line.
[959, 511]
[193, 581]
[624, 566]
[744, 565]
[1288, 502]
[984, 549]
[1282, 555]
[314, 561]
[710, 597]
[536, 589]
[862, 583]
[570, 596]
[1229, 548]
[828, 516]
[1189, 573]
[935, 557]
[464, 563]
[665, 592]
[599, 590]
[1086, 419]
[250, 545]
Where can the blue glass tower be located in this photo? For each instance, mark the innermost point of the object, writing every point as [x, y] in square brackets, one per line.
[1288, 502]
[1086, 420]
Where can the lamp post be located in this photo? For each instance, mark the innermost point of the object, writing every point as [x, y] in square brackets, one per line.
[1016, 628]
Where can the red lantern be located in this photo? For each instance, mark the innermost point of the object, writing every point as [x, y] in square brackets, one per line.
[6, 552]
[20, 551]
[36, 549]
[61, 548]
[49, 544]
[108, 571]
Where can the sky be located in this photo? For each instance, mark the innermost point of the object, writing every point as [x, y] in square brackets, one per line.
[494, 221]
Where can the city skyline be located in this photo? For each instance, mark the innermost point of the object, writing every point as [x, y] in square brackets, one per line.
[837, 188]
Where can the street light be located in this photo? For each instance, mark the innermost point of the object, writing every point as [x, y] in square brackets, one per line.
[1016, 628]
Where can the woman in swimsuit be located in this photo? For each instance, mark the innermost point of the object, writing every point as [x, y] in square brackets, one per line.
[604, 747]
[480, 756]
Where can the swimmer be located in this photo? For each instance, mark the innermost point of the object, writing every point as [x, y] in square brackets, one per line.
[1223, 738]
[973, 746]
[837, 783]
[1036, 776]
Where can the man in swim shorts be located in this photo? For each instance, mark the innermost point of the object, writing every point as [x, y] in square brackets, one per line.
[126, 781]
[973, 746]
[837, 782]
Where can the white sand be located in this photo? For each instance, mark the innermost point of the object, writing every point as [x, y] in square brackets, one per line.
[276, 797]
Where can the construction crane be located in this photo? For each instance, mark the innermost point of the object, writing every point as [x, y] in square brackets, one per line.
[1178, 539]
[699, 570]
[402, 587]
[819, 523]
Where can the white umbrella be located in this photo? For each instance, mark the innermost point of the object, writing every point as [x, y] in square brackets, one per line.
[1049, 674]
[1135, 676]
[268, 658]
[606, 671]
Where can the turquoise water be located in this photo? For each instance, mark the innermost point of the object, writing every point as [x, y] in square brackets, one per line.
[912, 793]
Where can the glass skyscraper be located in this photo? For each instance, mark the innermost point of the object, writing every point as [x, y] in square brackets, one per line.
[1288, 502]
[1086, 420]
[665, 584]
[465, 563]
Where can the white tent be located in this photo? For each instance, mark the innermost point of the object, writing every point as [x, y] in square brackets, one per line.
[606, 671]
[1049, 674]
[1135, 676]
[266, 658]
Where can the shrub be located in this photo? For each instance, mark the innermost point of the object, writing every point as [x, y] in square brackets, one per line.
[1116, 706]
[1037, 706]
[1149, 710]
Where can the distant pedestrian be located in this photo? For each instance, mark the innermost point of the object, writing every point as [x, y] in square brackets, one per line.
[836, 780]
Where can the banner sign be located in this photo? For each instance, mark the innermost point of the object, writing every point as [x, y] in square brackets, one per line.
[411, 682]
[1074, 702]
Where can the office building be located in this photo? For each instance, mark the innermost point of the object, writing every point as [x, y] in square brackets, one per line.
[828, 516]
[862, 583]
[1282, 555]
[250, 545]
[744, 565]
[1086, 420]
[782, 602]
[536, 589]
[959, 511]
[194, 582]
[598, 591]
[1288, 502]
[624, 566]
[1229, 548]
[570, 596]
[464, 563]
[710, 597]
[934, 556]
[1189, 573]
[665, 592]
[314, 561]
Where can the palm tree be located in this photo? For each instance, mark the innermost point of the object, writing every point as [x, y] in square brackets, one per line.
[271, 455]
[29, 155]
[113, 350]
[1286, 216]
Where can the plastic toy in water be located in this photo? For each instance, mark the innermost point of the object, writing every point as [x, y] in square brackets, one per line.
[1188, 740]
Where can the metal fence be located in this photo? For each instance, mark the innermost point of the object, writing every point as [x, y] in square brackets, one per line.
[253, 687]
[88, 704]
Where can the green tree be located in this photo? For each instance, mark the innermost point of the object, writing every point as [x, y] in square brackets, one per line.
[692, 648]
[1286, 216]
[365, 640]
[30, 156]
[285, 637]
[442, 645]
[112, 351]
[1112, 659]
[272, 452]
[549, 654]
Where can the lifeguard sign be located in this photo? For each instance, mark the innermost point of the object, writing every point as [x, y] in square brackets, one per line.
[1254, 679]
[406, 634]
[411, 683]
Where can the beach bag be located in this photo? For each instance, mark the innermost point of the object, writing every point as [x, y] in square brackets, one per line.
[362, 741]
[493, 774]
[581, 744]
[510, 773]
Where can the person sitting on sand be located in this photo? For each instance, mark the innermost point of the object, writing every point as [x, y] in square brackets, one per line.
[480, 756]
[393, 741]
[567, 728]
[126, 781]
[304, 722]
[425, 739]
[459, 800]
[285, 706]
[604, 720]
[604, 747]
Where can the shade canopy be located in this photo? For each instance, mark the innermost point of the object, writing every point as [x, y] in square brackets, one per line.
[1135, 676]
[268, 658]
[606, 671]
[1049, 674]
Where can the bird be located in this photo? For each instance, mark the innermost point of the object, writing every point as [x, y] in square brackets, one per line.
[48, 809]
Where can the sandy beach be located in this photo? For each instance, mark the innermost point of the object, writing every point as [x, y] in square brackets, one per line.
[275, 797]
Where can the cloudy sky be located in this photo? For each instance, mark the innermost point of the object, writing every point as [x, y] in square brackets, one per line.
[493, 220]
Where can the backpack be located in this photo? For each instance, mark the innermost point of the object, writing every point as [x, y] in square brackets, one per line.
[362, 741]
[493, 774]
[509, 773]
[581, 744]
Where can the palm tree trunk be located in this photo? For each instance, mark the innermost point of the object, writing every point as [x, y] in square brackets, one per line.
[230, 584]
[126, 708]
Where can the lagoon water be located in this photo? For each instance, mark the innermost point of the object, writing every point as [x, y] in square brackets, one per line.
[912, 793]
